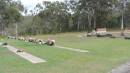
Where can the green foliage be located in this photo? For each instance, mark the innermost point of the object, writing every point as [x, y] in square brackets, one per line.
[114, 22]
[57, 17]
[53, 19]
[10, 14]
[26, 24]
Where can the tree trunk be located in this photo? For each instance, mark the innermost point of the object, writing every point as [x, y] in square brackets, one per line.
[78, 25]
[16, 30]
[122, 22]
[89, 21]
[60, 28]
[94, 19]
[2, 30]
[94, 22]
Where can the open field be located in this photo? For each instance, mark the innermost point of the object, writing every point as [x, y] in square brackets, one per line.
[104, 55]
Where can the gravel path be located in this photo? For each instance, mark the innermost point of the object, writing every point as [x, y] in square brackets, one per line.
[124, 68]
[31, 58]
[72, 49]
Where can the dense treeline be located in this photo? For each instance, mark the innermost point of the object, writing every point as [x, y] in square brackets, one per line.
[9, 14]
[82, 15]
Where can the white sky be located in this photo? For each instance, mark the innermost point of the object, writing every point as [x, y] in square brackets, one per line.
[30, 4]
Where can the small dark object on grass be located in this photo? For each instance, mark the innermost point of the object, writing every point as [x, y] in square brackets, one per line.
[19, 51]
[98, 35]
[109, 35]
[127, 37]
[104, 35]
[112, 37]
[50, 42]
[89, 35]
[5, 43]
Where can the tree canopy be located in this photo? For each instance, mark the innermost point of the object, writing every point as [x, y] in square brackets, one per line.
[10, 13]
[57, 17]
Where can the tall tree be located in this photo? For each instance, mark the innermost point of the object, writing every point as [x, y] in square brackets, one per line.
[97, 11]
[54, 17]
[10, 12]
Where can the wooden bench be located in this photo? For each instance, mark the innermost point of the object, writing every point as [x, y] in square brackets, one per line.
[101, 30]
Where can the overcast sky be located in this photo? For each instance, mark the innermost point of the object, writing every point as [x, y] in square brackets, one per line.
[31, 3]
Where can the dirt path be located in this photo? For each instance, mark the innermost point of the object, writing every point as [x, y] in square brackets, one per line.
[72, 49]
[31, 58]
[124, 68]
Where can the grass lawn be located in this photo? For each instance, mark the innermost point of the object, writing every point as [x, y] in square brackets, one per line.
[105, 54]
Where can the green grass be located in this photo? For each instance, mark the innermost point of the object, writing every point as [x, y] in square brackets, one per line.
[105, 54]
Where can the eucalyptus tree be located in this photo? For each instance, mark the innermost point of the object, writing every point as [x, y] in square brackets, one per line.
[10, 12]
[71, 9]
[3, 6]
[122, 8]
[127, 15]
[54, 17]
[97, 11]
